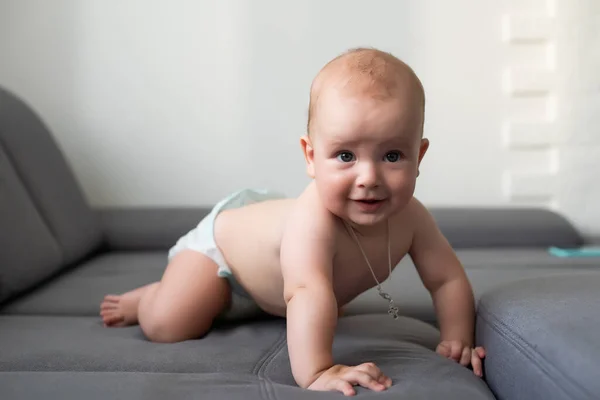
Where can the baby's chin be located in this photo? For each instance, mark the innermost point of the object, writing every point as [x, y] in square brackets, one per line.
[363, 219]
[367, 220]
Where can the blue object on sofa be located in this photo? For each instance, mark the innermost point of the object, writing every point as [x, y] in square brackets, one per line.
[584, 251]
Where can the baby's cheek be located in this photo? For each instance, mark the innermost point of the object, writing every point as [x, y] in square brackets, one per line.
[404, 187]
[333, 194]
[335, 181]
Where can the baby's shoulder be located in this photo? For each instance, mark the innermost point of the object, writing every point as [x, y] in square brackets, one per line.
[308, 220]
[412, 211]
[413, 216]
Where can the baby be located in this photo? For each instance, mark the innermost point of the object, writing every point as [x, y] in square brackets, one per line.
[305, 258]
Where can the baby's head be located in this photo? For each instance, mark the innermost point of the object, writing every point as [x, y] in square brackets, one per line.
[365, 135]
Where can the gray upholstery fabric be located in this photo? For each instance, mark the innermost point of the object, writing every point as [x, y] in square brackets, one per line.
[84, 344]
[28, 251]
[147, 228]
[505, 227]
[48, 182]
[133, 386]
[515, 259]
[80, 291]
[180, 386]
[541, 338]
[402, 348]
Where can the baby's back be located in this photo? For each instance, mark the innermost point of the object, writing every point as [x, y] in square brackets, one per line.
[249, 238]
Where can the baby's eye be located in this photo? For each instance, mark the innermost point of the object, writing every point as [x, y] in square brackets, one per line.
[393, 156]
[345, 156]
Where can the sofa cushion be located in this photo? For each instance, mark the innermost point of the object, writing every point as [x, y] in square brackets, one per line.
[28, 249]
[505, 227]
[402, 348]
[24, 385]
[48, 183]
[541, 337]
[80, 291]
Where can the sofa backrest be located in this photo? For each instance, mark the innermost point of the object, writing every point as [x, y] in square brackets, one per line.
[479, 227]
[45, 221]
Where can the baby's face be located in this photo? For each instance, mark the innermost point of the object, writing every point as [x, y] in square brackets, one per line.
[366, 154]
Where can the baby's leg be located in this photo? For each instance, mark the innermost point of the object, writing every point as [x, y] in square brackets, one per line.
[186, 301]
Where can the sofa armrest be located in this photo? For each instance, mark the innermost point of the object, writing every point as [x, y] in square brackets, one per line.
[128, 229]
[541, 337]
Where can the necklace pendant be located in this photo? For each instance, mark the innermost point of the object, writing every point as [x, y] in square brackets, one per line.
[392, 309]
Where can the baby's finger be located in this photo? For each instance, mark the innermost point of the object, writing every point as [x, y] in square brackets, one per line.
[384, 380]
[476, 363]
[443, 349]
[363, 379]
[344, 387]
[480, 352]
[456, 351]
[466, 356]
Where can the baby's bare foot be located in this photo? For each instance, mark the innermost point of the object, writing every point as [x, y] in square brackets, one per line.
[121, 310]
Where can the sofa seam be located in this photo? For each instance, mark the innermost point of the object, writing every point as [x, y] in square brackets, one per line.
[268, 363]
[523, 346]
[264, 362]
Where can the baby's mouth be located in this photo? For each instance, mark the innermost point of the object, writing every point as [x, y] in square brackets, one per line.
[369, 205]
[370, 201]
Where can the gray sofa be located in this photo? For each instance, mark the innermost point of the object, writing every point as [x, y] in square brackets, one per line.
[538, 315]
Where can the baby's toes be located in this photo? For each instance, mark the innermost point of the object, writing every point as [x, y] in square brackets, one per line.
[108, 306]
[107, 313]
[112, 319]
[112, 298]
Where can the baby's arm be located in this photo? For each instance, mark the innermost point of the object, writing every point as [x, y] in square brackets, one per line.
[307, 252]
[306, 258]
[444, 277]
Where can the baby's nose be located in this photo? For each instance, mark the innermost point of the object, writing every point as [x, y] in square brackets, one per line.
[368, 176]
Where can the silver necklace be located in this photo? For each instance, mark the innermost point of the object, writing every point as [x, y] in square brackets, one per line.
[392, 309]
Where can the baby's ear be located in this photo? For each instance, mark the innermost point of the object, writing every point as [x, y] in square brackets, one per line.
[422, 150]
[309, 153]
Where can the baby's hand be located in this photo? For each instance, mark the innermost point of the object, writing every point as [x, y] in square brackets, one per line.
[465, 355]
[342, 378]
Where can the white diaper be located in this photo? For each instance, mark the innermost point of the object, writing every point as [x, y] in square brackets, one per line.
[202, 239]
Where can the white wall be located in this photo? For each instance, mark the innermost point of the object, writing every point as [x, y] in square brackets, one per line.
[181, 102]
[578, 194]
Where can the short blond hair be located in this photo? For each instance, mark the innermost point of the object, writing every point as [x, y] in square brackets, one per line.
[367, 71]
